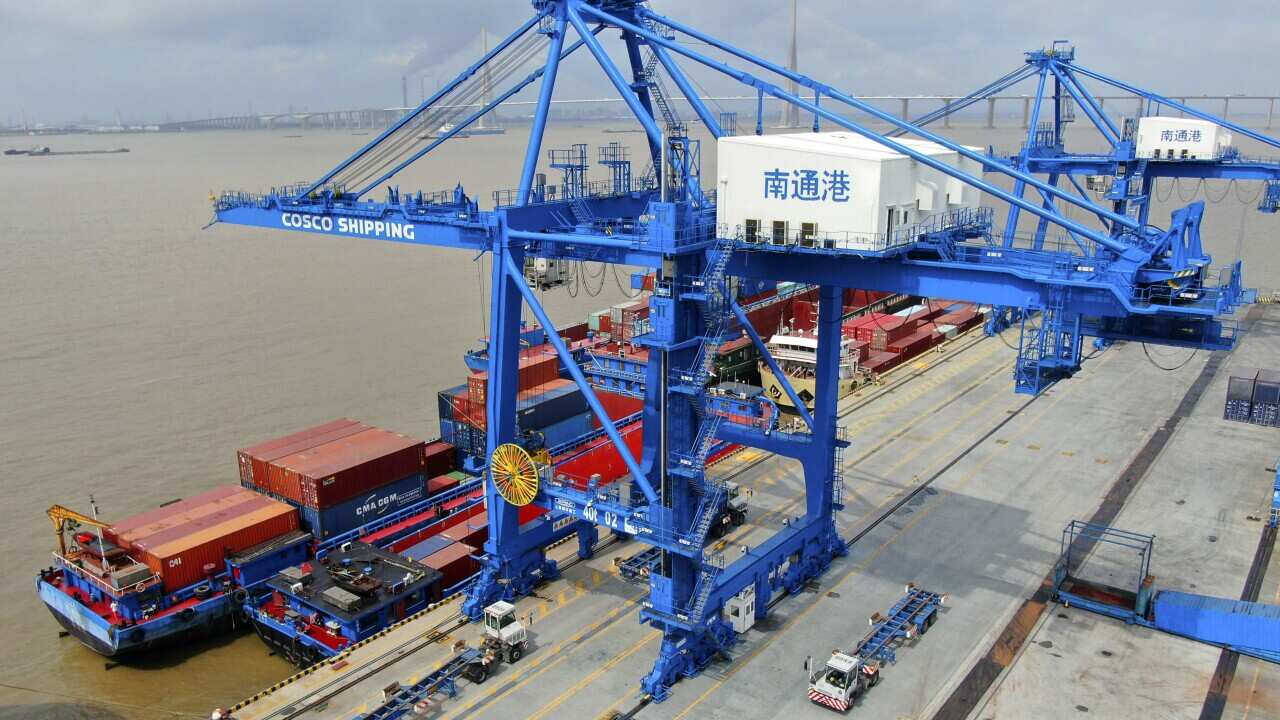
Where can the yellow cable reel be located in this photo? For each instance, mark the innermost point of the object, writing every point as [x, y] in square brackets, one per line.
[514, 473]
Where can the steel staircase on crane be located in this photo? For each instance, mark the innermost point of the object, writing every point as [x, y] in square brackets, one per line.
[702, 591]
[581, 211]
[1048, 350]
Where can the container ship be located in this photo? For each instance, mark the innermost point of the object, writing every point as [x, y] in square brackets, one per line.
[873, 342]
[205, 565]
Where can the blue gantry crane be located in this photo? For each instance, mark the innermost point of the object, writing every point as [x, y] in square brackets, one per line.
[1124, 176]
[1122, 277]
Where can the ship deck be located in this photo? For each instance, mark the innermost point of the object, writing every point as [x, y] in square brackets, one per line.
[953, 482]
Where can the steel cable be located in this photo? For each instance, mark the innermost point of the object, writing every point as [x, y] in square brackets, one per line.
[587, 276]
[404, 141]
[1175, 368]
[449, 106]
[1194, 191]
[1257, 196]
[427, 118]
[1221, 197]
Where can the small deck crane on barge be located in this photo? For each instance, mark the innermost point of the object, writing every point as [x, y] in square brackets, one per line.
[1123, 279]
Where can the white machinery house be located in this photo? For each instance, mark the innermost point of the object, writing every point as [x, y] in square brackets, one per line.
[1169, 138]
[835, 189]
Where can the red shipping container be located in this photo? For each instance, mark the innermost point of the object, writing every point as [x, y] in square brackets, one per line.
[180, 553]
[253, 460]
[473, 532]
[528, 513]
[439, 457]
[574, 333]
[860, 349]
[454, 563]
[262, 465]
[881, 362]
[889, 331]
[913, 344]
[441, 483]
[125, 531]
[339, 470]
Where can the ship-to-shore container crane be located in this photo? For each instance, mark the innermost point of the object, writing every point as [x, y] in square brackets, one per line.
[1121, 277]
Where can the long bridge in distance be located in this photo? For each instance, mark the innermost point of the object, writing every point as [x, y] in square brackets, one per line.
[1262, 106]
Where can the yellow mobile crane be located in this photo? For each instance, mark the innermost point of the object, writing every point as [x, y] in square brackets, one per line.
[62, 516]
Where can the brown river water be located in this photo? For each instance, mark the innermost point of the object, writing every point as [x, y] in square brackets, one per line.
[140, 351]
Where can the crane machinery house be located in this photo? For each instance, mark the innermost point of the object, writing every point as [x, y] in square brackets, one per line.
[1170, 138]
[833, 190]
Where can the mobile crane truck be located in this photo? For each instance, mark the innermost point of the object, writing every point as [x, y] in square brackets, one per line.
[849, 674]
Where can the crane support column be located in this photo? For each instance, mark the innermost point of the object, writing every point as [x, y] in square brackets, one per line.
[515, 561]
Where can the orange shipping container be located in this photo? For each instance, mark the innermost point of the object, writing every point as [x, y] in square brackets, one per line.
[181, 553]
[253, 459]
[206, 508]
[339, 470]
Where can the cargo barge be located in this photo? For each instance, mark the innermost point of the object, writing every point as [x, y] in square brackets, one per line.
[319, 608]
[175, 573]
[874, 342]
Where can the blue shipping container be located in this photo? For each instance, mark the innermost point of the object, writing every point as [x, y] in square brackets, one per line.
[365, 508]
[1219, 620]
[426, 548]
[544, 409]
[447, 432]
[567, 430]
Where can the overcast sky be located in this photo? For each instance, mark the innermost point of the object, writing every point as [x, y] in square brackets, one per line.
[63, 59]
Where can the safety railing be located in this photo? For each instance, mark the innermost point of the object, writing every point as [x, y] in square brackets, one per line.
[334, 197]
[417, 508]
[960, 219]
[69, 565]
[559, 193]
[581, 440]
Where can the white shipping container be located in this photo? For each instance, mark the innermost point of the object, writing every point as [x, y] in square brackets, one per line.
[1168, 138]
[837, 187]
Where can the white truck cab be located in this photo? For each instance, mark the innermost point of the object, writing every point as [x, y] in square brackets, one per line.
[839, 683]
[503, 632]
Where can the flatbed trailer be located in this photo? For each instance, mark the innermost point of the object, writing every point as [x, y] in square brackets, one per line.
[467, 662]
[849, 674]
[505, 640]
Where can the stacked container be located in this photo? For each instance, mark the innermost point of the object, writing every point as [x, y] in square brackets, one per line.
[889, 330]
[254, 460]
[341, 469]
[600, 322]
[347, 476]
[629, 320]
[454, 561]
[188, 541]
